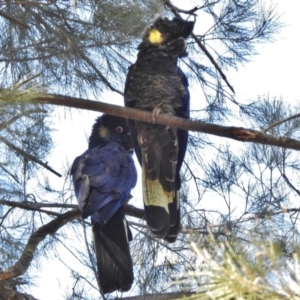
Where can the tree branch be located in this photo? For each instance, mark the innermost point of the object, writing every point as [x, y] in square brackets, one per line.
[28, 156]
[24, 261]
[9, 290]
[92, 65]
[236, 133]
[13, 19]
[23, 114]
[130, 210]
[175, 11]
[166, 296]
[206, 52]
[133, 211]
[280, 122]
[34, 206]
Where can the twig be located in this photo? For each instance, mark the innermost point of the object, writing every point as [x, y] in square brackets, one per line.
[137, 224]
[130, 210]
[92, 65]
[36, 2]
[280, 122]
[176, 11]
[23, 114]
[35, 205]
[28, 156]
[203, 48]
[19, 84]
[13, 19]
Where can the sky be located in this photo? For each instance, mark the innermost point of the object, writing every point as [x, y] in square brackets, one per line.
[273, 71]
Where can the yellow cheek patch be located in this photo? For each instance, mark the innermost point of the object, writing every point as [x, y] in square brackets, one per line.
[103, 132]
[155, 36]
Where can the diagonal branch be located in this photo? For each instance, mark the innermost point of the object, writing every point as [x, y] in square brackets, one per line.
[280, 122]
[53, 226]
[25, 113]
[13, 19]
[175, 11]
[92, 65]
[28, 156]
[218, 68]
[38, 236]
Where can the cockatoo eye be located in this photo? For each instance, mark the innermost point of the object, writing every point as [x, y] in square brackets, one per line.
[119, 129]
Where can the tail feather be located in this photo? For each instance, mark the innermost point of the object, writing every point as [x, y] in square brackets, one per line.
[159, 155]
[174, 211]
[156, 202]
[114, 262]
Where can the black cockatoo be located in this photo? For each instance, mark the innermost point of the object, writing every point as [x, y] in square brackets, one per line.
[155, 83]
[103, 177]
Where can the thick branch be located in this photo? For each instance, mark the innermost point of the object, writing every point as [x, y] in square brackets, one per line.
[24, 261]
[236, 133]
[9, 290]
[133, 211]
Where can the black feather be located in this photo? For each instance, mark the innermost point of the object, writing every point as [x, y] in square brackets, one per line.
[156, 83]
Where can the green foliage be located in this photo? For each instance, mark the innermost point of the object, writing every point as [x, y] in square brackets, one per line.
[76, 47]
[237, 271]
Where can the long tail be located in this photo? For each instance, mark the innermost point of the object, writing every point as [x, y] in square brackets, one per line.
[114, 262]
[158, 157]
[156, 202]
[162, 210]
[174, 211]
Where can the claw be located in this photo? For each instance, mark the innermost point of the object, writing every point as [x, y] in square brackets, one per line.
[156, 111]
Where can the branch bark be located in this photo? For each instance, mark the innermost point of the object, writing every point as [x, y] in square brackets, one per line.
[38, 236]
[236, 133]
[27, 256]
[9, 290]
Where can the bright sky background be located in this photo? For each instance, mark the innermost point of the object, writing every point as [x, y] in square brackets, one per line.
[275, 71]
